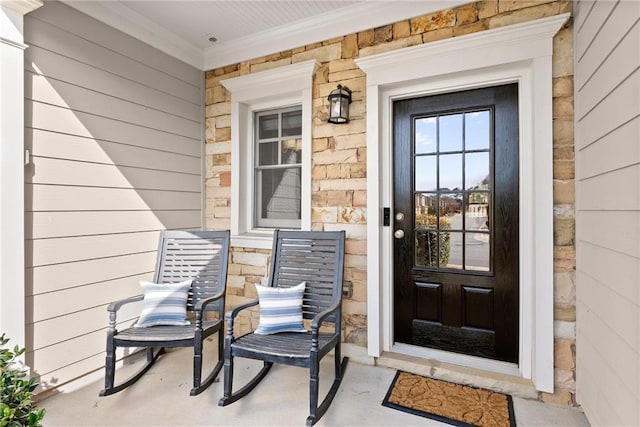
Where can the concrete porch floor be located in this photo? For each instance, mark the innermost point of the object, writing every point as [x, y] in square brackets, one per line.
[161, 398]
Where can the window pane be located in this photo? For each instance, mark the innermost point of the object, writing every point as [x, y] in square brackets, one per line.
[450, 172]
[451, 133]
[425, 173]
[476, 167]
[425, 135]
[291, 151]
[268, 126]
[477, 251]
[451, 252]
[477, 130]
[280, 191]
[292, 123]
[267, 153]
[477, 211]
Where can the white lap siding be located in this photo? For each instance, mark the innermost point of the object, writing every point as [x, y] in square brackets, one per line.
[114, 128]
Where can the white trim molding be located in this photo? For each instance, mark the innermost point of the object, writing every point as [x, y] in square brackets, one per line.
[12, 161]
[519, 53]
[275, 88]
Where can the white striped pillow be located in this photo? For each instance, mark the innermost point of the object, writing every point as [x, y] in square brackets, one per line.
[280, 309]
[164, 304]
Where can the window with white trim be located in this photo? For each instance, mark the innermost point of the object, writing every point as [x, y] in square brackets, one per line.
[277, 170]
[271, 115]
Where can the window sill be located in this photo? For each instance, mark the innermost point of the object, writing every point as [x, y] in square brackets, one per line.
[254, 239]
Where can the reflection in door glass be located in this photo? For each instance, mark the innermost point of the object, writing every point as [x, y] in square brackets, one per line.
[450, 172]
[451, 256]
[425, 137]
[477, 211]
[476, 251]
[476, 169]
[477, 130]
[450, 133]
[425, 171]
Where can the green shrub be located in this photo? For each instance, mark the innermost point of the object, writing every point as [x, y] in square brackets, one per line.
[16, 405]
[427, 241]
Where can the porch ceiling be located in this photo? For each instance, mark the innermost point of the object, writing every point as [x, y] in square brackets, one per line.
[246, 29]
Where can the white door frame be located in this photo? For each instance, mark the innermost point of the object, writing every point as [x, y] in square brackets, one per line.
[519, 53]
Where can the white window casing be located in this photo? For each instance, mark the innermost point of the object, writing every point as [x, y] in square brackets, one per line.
[520, 53]
[275, 88]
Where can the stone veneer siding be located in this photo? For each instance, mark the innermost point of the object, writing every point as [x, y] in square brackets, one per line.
[339, 159]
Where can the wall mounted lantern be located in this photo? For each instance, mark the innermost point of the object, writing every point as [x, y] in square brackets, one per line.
[339, 100]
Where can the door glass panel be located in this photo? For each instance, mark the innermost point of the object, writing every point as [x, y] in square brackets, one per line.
[451, 249]
[280, 190]
[425, 173]
[477, 211]
[477, 130]
[450, 172]
[450, 133]
[451, 211]
[425, 207]
[476, 168]
[268, 153]
[477, 251]
[426, 248]
[425, 137]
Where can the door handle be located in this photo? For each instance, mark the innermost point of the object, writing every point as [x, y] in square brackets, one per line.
[398, 234]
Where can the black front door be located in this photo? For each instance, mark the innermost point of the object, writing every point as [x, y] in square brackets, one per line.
[455, 222]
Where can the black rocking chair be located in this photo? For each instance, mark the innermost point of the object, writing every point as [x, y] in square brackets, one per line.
[200, 256]
[316, 258]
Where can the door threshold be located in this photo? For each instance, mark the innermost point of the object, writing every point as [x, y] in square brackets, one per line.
[416, 360]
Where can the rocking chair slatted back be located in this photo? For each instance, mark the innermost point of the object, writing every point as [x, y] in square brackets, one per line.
[200, 258]
[312, 258]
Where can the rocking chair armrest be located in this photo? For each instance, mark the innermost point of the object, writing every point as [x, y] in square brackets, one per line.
[320, 317]
[231, 314]
[203, 303]
[115, 306]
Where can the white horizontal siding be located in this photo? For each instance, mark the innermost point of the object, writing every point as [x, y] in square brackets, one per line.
[607, 117]
[115, 134]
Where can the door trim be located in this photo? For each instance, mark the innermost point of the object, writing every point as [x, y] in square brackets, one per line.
[519, 53]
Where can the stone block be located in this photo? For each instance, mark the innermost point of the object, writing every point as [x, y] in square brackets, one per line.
[342, 64]
[217, 148]
[350, 215]
[391, 45]
[564, 232]
[559, 398]
[218, 109]
[341, 76]
[248, 258]
[319, 172]
[356, 247]
[356, 336]
[564, 288]
[563, 152]
[253, 270]
[352, 231]
[562, 62]
[564, 330]
[510, 5]
[220, 94]
[337, 171]
[564, 258]
[563, 170]
[332, 198]
[270, 65]
[564, 211]
[225, 179]
[210, 130]
[563, 107]
[324, 215]
[220, 159]
[434, 21]
[222, 212]
[563, 86]
[383, 34]
[344, 142]
[208, 95]
[467, 14]
[321, 54]
[435, 35]
[358, 170]
[564, 355]
[321, 75]
[223, 121]
[223, 134]
[234, 281]
[563, 132]
[365, 38]
[564, 379]
[331, 157]
[359, 198]
[563, 191]
[401, 30]
[355, 320]
[523, 15]
[565, 313]
[354, 307]
[487, 8]
[470, 28]
[343, 184]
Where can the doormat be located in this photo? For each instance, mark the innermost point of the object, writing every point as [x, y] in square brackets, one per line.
[449, 403]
